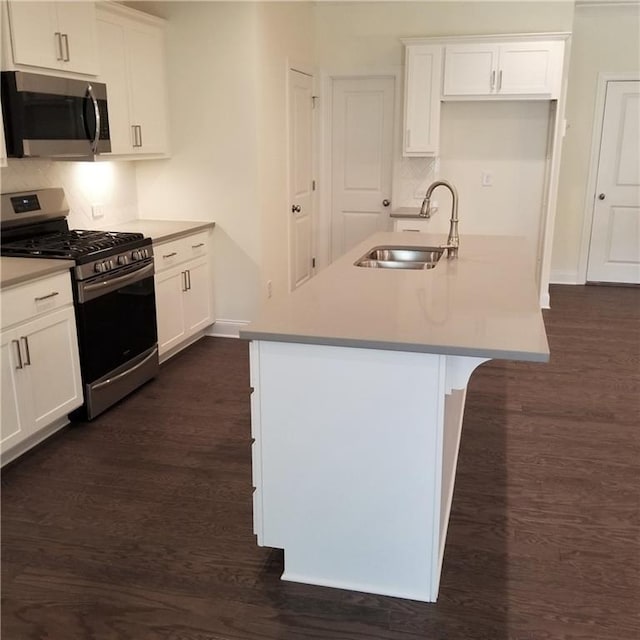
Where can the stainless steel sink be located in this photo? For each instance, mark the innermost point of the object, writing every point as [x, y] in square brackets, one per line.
[396, 257]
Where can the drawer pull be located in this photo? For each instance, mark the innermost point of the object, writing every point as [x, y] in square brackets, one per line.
[25, 341]
[49, 295]
[170, 255]
[197, 246]
[19, 365]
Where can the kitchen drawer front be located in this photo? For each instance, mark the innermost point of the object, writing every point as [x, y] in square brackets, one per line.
[33, 298]
[169, 254]
[420, 225]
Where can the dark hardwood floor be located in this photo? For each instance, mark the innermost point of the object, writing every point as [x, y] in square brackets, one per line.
[138, 526]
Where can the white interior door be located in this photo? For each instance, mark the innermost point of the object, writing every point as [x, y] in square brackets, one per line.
[614, 253]
[300, 178]
[361, 149]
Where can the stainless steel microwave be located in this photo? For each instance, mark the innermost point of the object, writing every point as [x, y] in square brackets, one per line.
[54, 117]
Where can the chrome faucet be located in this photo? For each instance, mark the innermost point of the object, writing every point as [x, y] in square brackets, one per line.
[453, 240]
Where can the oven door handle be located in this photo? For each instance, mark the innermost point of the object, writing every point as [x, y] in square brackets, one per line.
[100, 385]
[95, 289]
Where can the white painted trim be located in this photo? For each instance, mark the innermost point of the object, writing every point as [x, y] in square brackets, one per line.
[564, 277]
[226, 328]
[502, 37]
[586, 4]
[325, 194]
[32, 440]
[604, 77]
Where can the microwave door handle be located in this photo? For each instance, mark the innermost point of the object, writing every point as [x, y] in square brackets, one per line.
[96, 109]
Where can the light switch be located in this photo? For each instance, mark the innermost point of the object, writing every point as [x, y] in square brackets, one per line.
[97, 211]
[487, 179]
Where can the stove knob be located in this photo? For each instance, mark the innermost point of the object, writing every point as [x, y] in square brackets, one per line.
[99, 267]
[111, 264]
[135, 255]
[145, 253]
[123, 259]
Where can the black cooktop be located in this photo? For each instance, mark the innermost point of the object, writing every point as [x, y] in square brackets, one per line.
[74, 244]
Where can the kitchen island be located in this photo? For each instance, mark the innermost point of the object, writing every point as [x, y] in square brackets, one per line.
[359, 381]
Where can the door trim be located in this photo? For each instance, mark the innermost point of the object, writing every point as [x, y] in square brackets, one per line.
[292, 65]
[598, 121]
[327, 78]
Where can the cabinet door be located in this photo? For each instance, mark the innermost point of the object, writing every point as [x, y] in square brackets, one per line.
[50, 346]
[470, 69]
[15, 415]
[170, 288]
[113, 72]
[77, 23]
[423, 73]
[530, 68]
[147, 87]
[198, 296]
[33, 34]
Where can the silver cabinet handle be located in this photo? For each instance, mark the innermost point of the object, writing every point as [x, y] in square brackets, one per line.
[19, 365]
[184, 280]
[58, 37]
[139, 135]
[25, 341]
[493, 79]
[49, 295]
[96, 111]
[65, 37]
[188, 272]
[170, 255]
[133, 134]
[499, 79]
[197, 246]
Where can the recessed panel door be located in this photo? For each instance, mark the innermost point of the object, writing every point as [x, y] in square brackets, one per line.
[300, 178]
[614, 253]
[361, 150]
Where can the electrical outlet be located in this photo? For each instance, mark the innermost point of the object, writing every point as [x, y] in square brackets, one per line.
[269, 289]
[97, 211]
[487, 179]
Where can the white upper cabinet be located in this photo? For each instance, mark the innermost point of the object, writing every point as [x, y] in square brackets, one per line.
[526, 68]
[132, 61]
[423, 72]
[54, 35]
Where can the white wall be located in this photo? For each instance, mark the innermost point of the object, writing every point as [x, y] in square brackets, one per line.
[507, 139]
[112, 184]
[605, 39]
[227, 67]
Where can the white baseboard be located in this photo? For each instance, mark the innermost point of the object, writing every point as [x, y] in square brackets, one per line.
[227, 328]
[564, 277]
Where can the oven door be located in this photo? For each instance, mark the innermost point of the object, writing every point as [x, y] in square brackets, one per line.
[117, 334]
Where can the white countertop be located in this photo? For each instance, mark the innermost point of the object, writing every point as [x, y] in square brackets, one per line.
[163, 230]
[18, 270]
[482, 304]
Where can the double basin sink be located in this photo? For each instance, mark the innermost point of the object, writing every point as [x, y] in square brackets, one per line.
[397, 257]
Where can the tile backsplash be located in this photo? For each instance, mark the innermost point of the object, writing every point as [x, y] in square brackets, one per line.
[109, 184]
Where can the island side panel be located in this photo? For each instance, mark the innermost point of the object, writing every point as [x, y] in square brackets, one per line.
[350, 456]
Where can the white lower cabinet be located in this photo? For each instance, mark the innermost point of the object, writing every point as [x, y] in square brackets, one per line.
[420, 225]
[183, 291]
[41, 381]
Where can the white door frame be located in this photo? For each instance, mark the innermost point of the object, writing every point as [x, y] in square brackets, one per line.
[291, 65]
[590, 194]
[327, 78]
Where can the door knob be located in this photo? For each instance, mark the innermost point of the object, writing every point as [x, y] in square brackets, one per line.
[601, 196]
[386, 203]
[296, 208]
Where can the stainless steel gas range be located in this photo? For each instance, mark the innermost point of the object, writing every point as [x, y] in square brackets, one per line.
[113, 286]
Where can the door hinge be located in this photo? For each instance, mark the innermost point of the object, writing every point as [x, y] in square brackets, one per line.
[313, 101]
[313, 263]
[313, 185]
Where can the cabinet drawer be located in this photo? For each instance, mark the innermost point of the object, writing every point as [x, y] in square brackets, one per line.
[420, 225]
[39, 296]
[168, 254]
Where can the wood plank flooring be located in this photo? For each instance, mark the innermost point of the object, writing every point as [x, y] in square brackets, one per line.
[138, 526]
